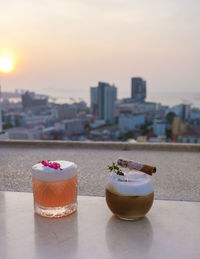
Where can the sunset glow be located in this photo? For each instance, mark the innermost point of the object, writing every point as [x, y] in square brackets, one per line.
[59, 48]
[6, 64]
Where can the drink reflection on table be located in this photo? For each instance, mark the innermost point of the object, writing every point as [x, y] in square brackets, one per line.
[56, 237]
[125, 238]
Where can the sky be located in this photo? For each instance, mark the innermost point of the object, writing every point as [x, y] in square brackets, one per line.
[66, 46]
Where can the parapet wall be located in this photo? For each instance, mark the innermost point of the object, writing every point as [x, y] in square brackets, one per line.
[102, 145]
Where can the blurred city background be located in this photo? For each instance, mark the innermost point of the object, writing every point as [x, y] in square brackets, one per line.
[28, 115]
[100, 70]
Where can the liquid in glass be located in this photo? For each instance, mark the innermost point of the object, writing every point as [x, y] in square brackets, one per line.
[129, 197]
[55, 192]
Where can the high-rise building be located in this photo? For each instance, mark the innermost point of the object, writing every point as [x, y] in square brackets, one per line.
[1, 127]
[30, 99]
[138, 89]
[93, 101]
[103, 97]
[66, 111]
[129, 121]
[182, 111]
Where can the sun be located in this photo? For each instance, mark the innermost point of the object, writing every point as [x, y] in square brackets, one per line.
[7, 60]
[6, 64]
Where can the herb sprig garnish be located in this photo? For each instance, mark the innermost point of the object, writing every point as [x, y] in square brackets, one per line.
[115, 168]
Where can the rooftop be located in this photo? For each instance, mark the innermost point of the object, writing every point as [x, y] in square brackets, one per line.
[178, 165]
[190, 132]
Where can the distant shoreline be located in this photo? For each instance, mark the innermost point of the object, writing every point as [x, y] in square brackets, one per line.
[165, 98]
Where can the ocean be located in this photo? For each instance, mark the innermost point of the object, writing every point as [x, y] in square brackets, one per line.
[165, 98]
[174, 98]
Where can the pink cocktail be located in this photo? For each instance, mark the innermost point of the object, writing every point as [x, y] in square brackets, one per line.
[55, 188]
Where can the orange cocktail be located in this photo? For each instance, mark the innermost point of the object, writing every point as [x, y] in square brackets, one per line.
[54, 188]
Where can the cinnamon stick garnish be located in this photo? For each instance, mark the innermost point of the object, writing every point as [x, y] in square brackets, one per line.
[148, 169]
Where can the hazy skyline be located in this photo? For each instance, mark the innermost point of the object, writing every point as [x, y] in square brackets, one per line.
[74, 44]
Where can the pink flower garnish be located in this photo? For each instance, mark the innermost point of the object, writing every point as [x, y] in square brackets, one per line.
[44, 163]
[54, 165]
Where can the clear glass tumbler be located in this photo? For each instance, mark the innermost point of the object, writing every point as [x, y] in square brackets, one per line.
[55, 190]
[131, 196]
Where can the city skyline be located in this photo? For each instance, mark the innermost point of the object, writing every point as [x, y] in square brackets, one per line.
[36, 118]
[58, 47]
[165, 98]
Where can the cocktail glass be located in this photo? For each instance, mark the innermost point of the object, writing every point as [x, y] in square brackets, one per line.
[131, 196]
[55, 190]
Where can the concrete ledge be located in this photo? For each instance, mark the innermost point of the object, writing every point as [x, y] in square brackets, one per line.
[102, 145]
[177, 177]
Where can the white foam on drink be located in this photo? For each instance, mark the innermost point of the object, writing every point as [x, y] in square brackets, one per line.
[137, 184]
[47, 174]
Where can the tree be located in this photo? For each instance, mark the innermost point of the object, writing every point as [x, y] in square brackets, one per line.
[168, 133]
[7, 125]
[17, 122]
[170, 117]
[127, 135]
[87, 127]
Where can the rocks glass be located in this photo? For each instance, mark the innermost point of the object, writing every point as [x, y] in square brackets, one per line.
[54, 188]
[131, 196]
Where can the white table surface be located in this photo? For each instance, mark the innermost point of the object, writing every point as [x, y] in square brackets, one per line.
[170, 230]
